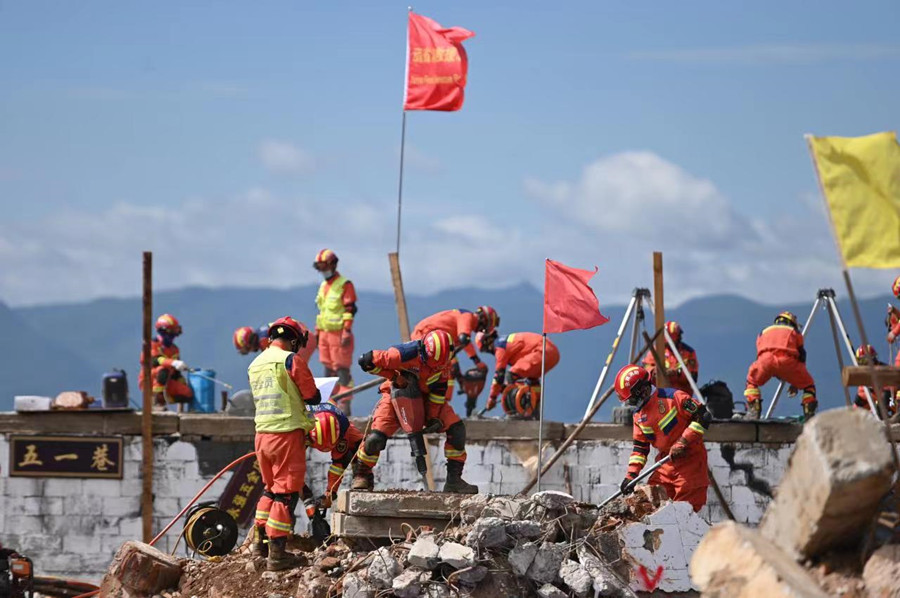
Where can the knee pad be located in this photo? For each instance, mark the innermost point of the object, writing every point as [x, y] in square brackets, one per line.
[456, 435]
[285, 499]
[375, 442]
[343, 375]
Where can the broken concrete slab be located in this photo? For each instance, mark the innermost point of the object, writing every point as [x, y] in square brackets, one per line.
[550, 591]
[553, 499]
[470, 576]
[521, 557]
[409, 583]
[383, 569]
[545, 566]
[734, 561]
[528, 530]
[483, 505]
[606, 582]
[424, 552]
[837, 475]
[426, 505]
[355, 587]
[456, 555]
[140, 569]
[576, 577]
[488, 532]
[882, 572]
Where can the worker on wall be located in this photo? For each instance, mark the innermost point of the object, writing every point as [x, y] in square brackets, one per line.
[461, 325]
[517, 370]
[780, 353]
[248, 340]
[169, 384]
[866, 355]
[336, 301]
[893, 320]
[674, 372]
[672, 422]
[282, 387]
[428, 360]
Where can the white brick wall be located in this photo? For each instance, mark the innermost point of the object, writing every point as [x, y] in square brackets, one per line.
[72, 527]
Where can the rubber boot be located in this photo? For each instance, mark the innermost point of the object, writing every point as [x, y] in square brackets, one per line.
[455, 483]
[363, 478]
[754, 410]
[470, 406]
[279, 558]
[159, 402]
[809, 409]
[259, 545]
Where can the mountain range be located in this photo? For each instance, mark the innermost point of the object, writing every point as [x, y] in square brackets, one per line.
[53, 348]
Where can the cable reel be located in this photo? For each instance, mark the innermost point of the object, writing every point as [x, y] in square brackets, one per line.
[210, 531]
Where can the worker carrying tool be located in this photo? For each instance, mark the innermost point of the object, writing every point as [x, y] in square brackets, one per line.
[249, 340]
[672, 422]
[893, 320]
[866, 355]
[461, 325]
[336, 301]
[674, 372]
[282, 387]
[517, 370]
[780, 353]
[424, 363]
[166, 366]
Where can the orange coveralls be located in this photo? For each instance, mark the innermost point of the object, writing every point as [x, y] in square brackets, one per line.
[521, 351]
[677, 380]
[896, 332]
[780, 353]
[668, 416]
[454, 322]
[432, 384]
[333, 355]
[166, 379]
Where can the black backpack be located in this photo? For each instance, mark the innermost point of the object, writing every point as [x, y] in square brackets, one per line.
[719, 399]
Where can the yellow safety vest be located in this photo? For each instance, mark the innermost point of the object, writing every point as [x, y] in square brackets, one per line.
[331, 306]
[279, 406]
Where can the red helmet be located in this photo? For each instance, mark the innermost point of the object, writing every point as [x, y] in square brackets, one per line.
[488, 318]
[786, 317]
[326, 433]
[896, 287]
[485, 341]
[675, 330]
[325, 260]
[437, 348]
[287, 324]
[168, 323]
[631, 382]
[245, 340]
[865, 353]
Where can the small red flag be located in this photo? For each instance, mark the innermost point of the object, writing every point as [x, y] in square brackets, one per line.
[436, 65]
[569, 302]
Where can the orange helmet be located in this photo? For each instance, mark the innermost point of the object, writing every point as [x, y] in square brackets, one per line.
[786, 317]
[488, 318]
[168, 323]
[288, 326]
[326, 433]
[485, 341]
[245, 340]
[865, 353]
[437, 348]
[674, 329]
[896, 287]
[325, 260]
[633, 385]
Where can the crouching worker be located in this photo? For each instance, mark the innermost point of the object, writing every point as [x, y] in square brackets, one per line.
[672, 422]
[517, 375]
[427, 363]
[282, 386]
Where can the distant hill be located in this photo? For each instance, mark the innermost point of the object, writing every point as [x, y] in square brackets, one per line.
[67, 347]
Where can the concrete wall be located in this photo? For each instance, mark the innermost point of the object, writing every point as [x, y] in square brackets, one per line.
[72, 527]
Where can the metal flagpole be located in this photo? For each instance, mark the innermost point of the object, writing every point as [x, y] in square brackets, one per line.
[540, 462]
[403, 134]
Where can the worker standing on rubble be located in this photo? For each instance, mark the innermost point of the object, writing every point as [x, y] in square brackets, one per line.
[672, 422]
[674, 373]
[894, 327]
[780, 353]
[427, 363]
[249, 340]
[282, 386]
[333, 433]
[866, 355]
[461, 325]
[336, 301]
[520, 384]
[169, 384]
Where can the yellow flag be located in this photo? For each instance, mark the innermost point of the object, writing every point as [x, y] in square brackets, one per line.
[860, 178]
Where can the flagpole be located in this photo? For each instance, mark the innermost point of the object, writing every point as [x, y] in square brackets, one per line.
[400, 185]
[540, 461]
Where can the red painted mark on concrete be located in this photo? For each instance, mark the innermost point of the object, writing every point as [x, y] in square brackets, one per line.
[650, 582]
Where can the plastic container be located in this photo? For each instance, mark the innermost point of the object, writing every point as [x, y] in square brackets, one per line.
[32, 403]
[204, 391]
[115, 390]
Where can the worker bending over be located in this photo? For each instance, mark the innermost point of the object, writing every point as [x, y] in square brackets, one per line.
[674, 372]
[780, 353]
[336, 301]
[894, 321]
[249, 340]
[425, 362]
[332, 433]
[517, 370]
[282, 387]
[169, 384]
[866, 355]
[672, 422]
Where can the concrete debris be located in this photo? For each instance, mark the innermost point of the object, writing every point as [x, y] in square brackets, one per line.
[355, 586]
[437, 590]
[576, 577]
[606, 583]
[270, 575]
[383, 569]
[545, 566]
[409, 583]
[140, 569]
[550, 591]
[424, 552]
[734, 561]
[471, 576]
[838, 473]
[521, 557]
[882, 572]
[484, 505]
[528, 530]
[553, 500]
[488, 532]
[456, 555]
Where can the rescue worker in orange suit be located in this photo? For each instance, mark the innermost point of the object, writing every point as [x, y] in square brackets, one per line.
[674, 373]
[247, 340]
[893, 320]
[780, 353]
[332, 433]
[865, 355]
[521, 353]
[672, 422]
[282, 387]
[461, 325]
[336, 301]
[169, 384]
[429, 359]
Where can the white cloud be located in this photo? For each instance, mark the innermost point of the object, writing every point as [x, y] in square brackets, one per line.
[419, 160]
[283, 157]
[788, 54]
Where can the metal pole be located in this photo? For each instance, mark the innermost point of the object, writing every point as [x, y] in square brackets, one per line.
[837, 350]
[540, 461]
[850, 351]
[147, 412]
[687, 374]
[636, 324]
[778, 390]
[612, 353]
[400, 185]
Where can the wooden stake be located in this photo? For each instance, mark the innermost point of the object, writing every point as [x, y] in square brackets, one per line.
[659, 313]
[147, 413]
[399, 296]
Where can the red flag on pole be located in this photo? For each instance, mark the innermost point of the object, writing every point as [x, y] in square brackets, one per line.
[436, 65]
[569, 302]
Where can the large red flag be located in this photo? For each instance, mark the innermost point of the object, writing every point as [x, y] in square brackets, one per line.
[569, 302]
[436, 65]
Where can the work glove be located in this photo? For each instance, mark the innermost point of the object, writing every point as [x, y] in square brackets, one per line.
[679, 449]
[433, 425]
[346, 337]
[367, 362]
[179, 365]
[792, 391]
[323, 502]
[626, 490]
[890, 337]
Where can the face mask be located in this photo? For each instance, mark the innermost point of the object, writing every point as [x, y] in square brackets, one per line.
[326, 274]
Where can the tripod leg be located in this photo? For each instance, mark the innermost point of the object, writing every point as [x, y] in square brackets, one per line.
[812, 315]
[837, 348]
[684, 370]
[615, 346]
[850, 351]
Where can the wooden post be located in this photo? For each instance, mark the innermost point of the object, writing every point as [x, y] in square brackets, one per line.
[147, 413]
[224, 400]
[659, 313]
[399, 296]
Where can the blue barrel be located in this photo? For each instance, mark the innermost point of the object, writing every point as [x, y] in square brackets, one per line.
[204, 391]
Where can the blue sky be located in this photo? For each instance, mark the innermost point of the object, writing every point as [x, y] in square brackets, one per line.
[236, 139]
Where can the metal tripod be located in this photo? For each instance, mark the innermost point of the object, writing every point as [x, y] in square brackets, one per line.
[825, 300]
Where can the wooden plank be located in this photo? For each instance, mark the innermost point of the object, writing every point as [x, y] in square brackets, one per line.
[399, 296]
[659, 315]
[87, 422]
[217, 426]
[859, 375]
[425, 505]
[778, 432]
[732, 432]
[147, 406]
[594, 432]
[350, 526]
